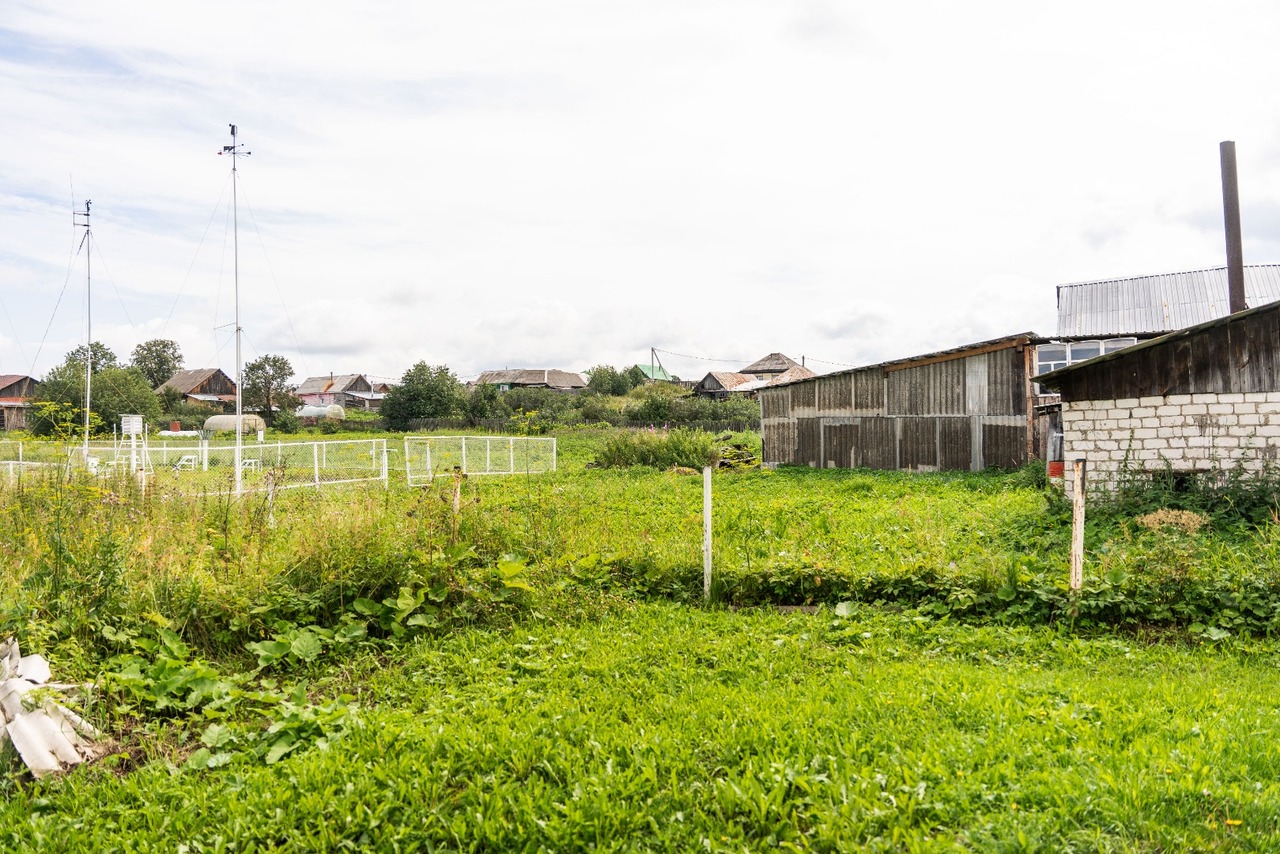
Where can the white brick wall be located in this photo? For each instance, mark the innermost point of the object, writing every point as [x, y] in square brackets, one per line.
[1197, 432]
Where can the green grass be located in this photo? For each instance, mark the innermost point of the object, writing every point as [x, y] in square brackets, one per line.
[537, 671]
[657, 727]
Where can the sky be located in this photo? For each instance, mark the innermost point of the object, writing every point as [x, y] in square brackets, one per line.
[506, 184]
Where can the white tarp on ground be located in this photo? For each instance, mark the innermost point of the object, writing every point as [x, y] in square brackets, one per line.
[47, 736]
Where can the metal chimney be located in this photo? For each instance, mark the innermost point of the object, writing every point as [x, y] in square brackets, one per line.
[1231, 217]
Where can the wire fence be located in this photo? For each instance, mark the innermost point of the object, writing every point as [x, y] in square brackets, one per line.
[200, 467]
[427, 456]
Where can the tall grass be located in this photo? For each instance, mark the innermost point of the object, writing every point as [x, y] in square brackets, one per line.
[659, 449]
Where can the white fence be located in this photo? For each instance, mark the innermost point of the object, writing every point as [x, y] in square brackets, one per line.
[427, 456]
[195, 466]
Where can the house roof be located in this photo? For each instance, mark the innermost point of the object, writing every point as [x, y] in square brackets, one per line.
[1160, 303]
[774, 363]
[328, 385]
[185, 381]
[549, 377]
[796, 372]
[655, 372]
[963, 352]
[729, 380]
[7, 380]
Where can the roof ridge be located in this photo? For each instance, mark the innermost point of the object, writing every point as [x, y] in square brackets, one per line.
[1158, 275]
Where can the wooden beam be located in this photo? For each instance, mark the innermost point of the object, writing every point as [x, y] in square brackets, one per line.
[1020, 341]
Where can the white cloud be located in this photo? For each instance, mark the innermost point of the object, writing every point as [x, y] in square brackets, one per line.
[567, 184]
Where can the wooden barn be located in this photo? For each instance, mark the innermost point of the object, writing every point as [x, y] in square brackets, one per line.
[16, 391]
[207, 386]
[966, 408]
[1202, 399]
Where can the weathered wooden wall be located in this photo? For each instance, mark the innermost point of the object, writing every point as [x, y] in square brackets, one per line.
[958, 412]
[1232, 355]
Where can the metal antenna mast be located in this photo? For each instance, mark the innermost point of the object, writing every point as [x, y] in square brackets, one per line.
[82, 220]
[234, 151]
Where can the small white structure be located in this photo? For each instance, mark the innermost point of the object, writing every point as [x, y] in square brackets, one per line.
[331, 411]
[227, 424]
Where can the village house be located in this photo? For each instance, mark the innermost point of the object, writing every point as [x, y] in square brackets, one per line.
[16, 391]
[1205, 399]
[551, 378]
[202, 386]
[350, 391]
[773, 369]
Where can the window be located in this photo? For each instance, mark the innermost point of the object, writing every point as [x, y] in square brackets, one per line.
[1050, 357]
[1082, 350]
[1113, 344]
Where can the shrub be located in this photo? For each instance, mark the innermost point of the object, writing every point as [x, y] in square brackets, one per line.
[688, 448]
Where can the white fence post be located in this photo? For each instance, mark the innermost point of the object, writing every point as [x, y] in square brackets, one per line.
[315, 462]
[464, 454]
[1077, 527]
[706, 532]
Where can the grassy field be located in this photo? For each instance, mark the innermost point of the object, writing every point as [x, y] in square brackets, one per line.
[660, 727]
[527, 664]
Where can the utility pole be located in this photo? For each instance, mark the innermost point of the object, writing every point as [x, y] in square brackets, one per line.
[233, 150]
[82, 221]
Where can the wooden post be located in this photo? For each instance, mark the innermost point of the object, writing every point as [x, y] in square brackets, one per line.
[1077, 526]
[706, 532]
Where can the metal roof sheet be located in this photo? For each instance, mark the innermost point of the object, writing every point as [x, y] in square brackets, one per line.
[1157, 304]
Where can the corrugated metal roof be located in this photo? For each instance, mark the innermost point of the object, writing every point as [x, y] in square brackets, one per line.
[938, 355]
[655, 372]
[1157, 304]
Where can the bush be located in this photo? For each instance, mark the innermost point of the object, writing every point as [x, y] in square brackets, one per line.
[287, 422]
[687, 448]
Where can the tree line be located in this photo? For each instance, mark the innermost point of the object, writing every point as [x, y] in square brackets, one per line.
[424, 392]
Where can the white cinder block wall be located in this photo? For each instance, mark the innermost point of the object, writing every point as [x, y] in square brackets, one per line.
[1193, 432]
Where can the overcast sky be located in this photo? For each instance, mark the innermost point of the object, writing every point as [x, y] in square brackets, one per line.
[565, 184]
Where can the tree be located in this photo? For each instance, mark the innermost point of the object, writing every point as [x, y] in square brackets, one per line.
[115, 391]
[424, 392]
[103, 357]
[607, 379]
[266, 386]
[157, 359]
[485, 401]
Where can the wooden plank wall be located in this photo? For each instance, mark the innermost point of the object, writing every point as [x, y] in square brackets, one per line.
[1240, 356]
[962, 413]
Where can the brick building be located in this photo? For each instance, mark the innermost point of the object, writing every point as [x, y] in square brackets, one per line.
[1200, 400]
